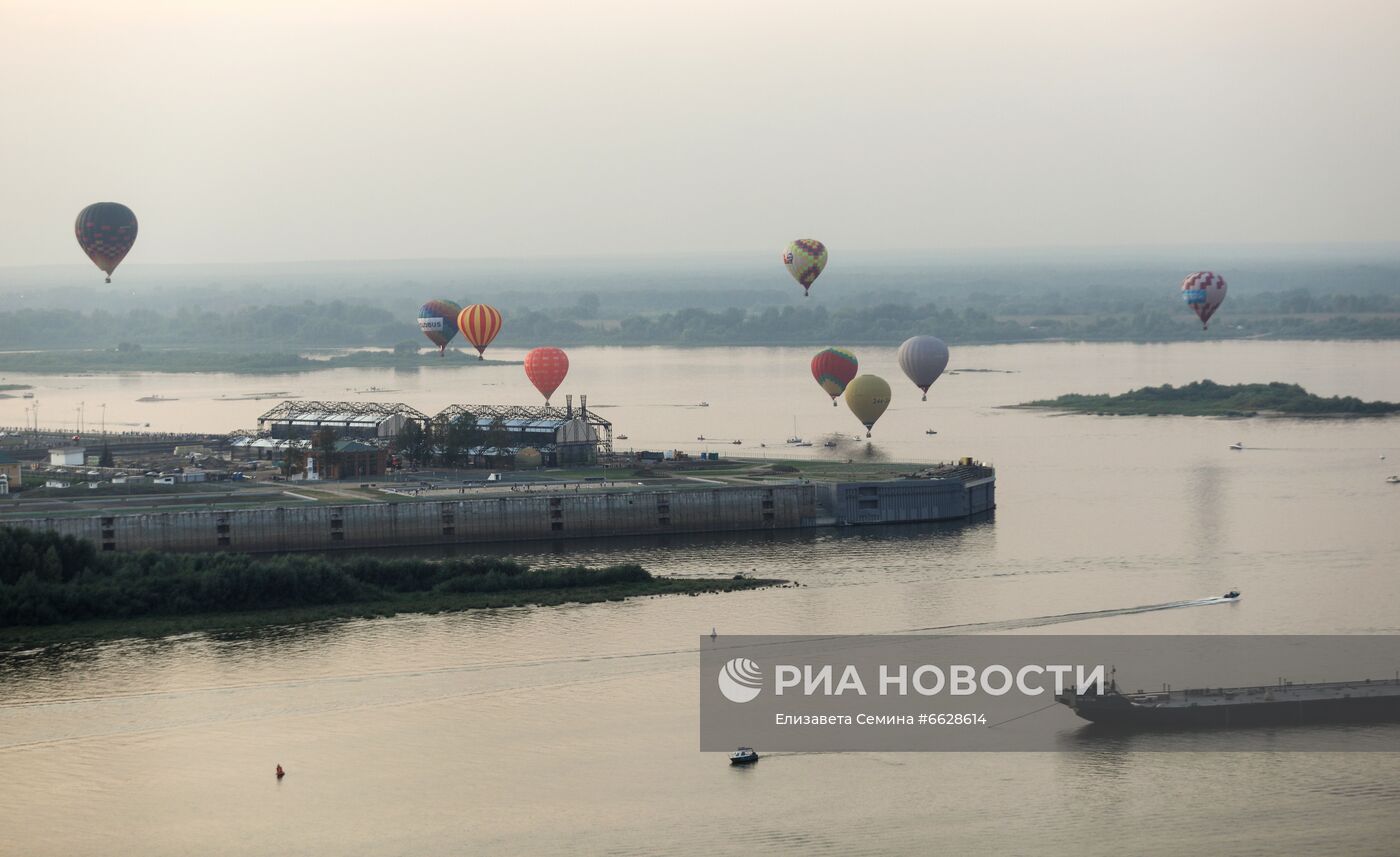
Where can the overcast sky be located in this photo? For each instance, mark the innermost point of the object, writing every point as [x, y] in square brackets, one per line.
[296, 130]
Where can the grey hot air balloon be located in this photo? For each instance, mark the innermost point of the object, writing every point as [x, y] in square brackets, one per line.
[923, 359]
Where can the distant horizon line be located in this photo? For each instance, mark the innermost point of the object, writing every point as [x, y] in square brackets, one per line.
[1290, 249]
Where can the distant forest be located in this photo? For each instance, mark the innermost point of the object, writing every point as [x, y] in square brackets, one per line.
[279, 330]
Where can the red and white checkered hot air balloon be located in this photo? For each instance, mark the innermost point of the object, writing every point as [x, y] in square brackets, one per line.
[546, 368]
[1203, 291]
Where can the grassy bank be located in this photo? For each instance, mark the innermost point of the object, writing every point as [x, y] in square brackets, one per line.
[54, 587]
[19, 636]
[1209, 399]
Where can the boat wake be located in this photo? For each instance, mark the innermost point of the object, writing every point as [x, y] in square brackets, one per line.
[1059, 618]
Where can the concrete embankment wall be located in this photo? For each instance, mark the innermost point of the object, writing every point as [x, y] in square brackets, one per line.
[906, 500]
[509, 518]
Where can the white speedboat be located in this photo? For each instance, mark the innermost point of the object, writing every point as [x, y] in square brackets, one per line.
[1237, 445]
[743, 756]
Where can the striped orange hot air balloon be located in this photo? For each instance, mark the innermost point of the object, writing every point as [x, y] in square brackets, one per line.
[479, 323]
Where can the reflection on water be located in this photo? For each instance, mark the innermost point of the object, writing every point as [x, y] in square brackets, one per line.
[574, 729]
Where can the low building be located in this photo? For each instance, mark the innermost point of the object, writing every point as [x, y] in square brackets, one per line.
[10, 467]
[68, 456]
[353, 459]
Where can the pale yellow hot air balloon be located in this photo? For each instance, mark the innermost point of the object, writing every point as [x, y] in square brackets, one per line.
[867, 397]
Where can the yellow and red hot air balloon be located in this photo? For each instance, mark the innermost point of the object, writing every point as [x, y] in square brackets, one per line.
[479, 323]
[106, 231]
[546, 368]
[834, 368]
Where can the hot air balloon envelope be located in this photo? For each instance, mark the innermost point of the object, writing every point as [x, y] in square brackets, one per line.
[1203, 292]
[805, 258]
[546, 368]
[923, 359]
[479, 323]
[438, 320]
[106, 231]
[868, 396]
[834, 368]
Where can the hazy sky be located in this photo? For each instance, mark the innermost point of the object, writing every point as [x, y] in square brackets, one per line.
[292, 130]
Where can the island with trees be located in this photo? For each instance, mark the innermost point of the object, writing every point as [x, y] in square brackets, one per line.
[1209, 399]
[58, 587]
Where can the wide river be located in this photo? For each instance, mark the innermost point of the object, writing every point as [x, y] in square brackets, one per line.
[575, 729]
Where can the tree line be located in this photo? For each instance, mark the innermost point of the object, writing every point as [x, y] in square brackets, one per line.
[48, 579]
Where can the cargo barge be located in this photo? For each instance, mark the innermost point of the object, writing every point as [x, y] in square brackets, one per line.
[1278, 704]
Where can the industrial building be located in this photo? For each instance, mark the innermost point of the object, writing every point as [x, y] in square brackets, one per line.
[361, 420]
[562, 436]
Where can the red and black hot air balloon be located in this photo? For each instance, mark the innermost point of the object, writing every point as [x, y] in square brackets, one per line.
[106, 231]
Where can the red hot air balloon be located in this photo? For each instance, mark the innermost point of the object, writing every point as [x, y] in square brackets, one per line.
[106, 231]
[1203, 291]
[546, 368]
[834, 368]
[479, 323]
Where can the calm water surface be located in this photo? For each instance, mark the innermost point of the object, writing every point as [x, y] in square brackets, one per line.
[574, 729]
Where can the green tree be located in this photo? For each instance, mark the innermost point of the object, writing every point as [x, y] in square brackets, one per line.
[106, 459]
[51, 570]
[458, 438]
[324, 443]
[407, 348]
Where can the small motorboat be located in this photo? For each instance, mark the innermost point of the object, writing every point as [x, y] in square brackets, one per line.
[1232, 594]
[701, 437]
[1237, 445]
[736, 442]
[622, 437]
[930, 431]
[1393, 480]
[829, 444]
[803, 443]
[703, 405]
[743, 756]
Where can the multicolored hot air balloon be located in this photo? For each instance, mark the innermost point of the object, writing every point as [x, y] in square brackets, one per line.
[479, 323]
[438, 320]
[1203, 292]
[834, 368]
[923, 359]
[867, 397]
[106, 231]
[546, 368]
[805, 258]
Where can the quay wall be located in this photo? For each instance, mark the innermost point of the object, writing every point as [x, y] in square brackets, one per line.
[896, 501]
[526, 518]
[427, 522]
